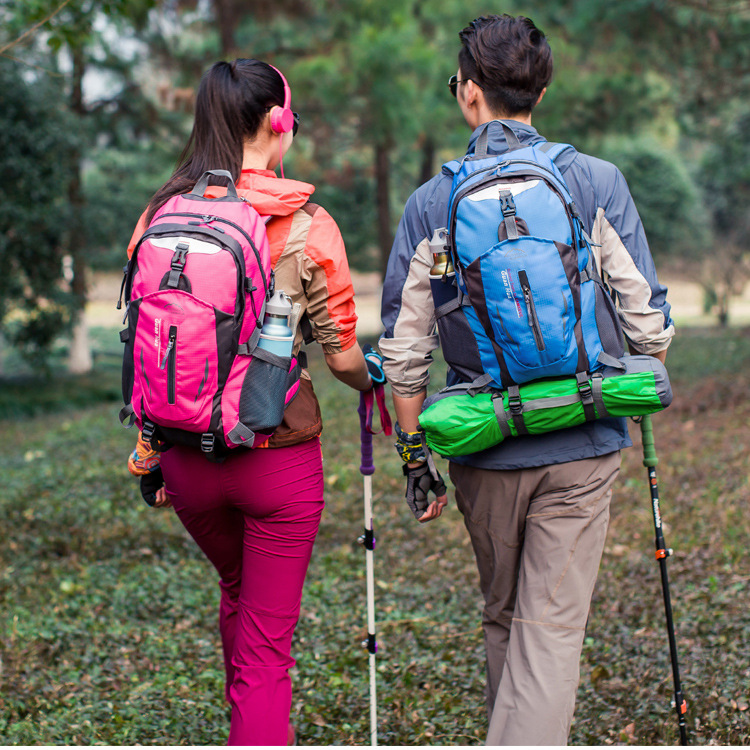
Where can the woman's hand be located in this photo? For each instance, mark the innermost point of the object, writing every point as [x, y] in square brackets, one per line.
[162, 499]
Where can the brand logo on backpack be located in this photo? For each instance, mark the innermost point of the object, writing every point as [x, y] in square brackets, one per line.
[196, 290]
[525, 263]
[157, 336]
[510, 292]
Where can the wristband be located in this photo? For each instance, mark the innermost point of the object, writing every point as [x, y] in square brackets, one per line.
[410, 446]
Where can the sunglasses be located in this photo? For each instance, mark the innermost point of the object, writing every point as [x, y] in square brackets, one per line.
[453, 83]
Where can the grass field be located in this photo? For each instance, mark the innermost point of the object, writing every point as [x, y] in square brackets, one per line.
[108, 612]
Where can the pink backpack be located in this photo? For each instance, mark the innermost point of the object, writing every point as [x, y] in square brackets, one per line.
[196, 289]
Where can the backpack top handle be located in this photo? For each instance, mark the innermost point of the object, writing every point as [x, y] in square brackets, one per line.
[202, 184]
[480, 151]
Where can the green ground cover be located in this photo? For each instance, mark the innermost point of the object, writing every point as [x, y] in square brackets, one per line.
[108, 612]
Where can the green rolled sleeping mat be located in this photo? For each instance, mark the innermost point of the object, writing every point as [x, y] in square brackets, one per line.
[470, 417]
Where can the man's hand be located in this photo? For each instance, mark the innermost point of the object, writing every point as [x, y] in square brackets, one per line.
[419, 483]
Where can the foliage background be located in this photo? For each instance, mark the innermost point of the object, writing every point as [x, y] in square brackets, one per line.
[108, 612]
[660, 86]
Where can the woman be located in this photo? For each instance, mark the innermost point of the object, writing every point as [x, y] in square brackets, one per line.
[255, 515]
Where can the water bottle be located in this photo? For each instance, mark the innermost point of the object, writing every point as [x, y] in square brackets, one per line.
[279, 325]
[442, 273]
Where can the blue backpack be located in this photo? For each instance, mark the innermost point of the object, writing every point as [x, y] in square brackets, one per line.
[536, 304]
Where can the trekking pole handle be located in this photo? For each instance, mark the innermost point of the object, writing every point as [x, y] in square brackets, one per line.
[649, 446]
[367, 467]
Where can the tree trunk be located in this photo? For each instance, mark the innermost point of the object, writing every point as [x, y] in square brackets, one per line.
[428, 159]
[79, 359]
[227, 17]
[383, 191]
[723, 312]
[79, 355]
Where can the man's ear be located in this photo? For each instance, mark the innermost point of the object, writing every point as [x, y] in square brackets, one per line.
[541, 96]
[473, 95]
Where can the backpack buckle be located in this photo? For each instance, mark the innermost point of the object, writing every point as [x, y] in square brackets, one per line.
[514, 400]
[177, 265]
[507, 204]
[515, 406]
[180, 256]
[587, 395]
[207, 442]
[508, 207]
[147, 430]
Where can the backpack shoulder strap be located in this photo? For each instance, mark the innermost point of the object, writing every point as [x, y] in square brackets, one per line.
[554, 150]
[451, 168]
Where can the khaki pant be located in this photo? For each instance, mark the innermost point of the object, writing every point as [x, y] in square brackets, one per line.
[538, 536]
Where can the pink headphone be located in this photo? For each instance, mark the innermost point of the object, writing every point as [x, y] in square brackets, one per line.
[282, 118]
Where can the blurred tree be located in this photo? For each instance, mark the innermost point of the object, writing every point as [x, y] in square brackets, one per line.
[725, 175]
[700, 46]
[74, 28]
[34, 221]
[373, 80]
[669, 201]
[677, 72]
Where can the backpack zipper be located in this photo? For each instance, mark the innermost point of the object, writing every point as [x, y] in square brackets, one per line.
[131, 267]
[208, 219]
[528, 298]
[499, 179]
[498, 166]
[560, 184]
[170, 358]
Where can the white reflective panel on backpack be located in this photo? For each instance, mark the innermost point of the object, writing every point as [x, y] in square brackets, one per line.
[194, 246]
[493, 191]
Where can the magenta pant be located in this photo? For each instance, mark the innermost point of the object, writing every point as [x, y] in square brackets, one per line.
[255, 517]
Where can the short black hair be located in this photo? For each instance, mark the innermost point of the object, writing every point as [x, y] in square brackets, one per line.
[510, 58]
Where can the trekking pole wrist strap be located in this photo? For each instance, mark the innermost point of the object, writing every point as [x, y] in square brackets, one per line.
[368, 399]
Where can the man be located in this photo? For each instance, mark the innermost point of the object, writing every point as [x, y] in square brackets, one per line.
[537, 506]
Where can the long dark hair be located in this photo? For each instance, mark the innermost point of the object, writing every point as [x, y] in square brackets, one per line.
[232, 100]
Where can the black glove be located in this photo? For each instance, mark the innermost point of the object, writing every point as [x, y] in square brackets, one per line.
[151, 483]
[419, 482]
[374, 364]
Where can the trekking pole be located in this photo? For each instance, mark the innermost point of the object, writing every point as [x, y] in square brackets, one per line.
[367, 469]
[662, 553]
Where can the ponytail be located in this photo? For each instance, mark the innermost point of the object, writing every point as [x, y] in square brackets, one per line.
[232, 101]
